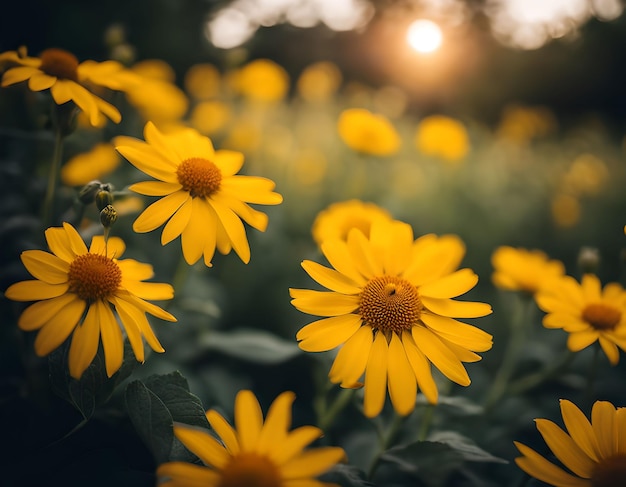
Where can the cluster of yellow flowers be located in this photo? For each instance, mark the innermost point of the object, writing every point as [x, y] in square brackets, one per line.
[390, 302]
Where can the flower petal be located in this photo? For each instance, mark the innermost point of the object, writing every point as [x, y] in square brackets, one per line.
[179, 221]
[456, 309]
[376, 377]
[155, 188]
[603, 423]
[59, 327]
[312, 463]
[462, 334]
[351, 359]
[294, 443]
[35, 290]
[84, 346]
[225, 431]
[330, 278]
[565, 448]
[440, 355]
[536, 466]
[112, 338]
[248, 420]
[402, 383]
[580, 429]
[202, 444]
[339, 256]
[329, 333]
[233, 226]
[277, 423]
[450, 286]
[179, 474]
[323, 303]
[421, 368]
[38, 314]
[199, 231]
[159, 212]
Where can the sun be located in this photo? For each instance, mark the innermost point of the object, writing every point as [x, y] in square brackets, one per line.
[424, 36]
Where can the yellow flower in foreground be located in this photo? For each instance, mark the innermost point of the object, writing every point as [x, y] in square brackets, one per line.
[519, 269]
[594, 452]
[203, 199]
[100, 161]
[442, 137]
[69, 80]
[587, 312]
[75, 289]
[390, 305]
[255, 454]
[367, 132]
[339, 218]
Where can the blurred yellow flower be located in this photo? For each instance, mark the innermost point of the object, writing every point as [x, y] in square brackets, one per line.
[521, 124]
[203, 199]
[319, 81]
[156, 97]
[75, 289]
[68, 80]
[519, 269]
[368, 133]
[202, 81]
[586, 176]
[442, 137]
[262, 80]
[100, 161]
[336, 220]
[210, 117]
[565, 210]
[587, 312]
[244, 135]
[593, 451]
[391, 309]
[254, 453]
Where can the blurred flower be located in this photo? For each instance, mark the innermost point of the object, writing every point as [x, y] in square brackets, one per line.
[587, 312]
[586, 176]
[518, 269]
[69, 80]
[203, 200]
[262, 80]
[319, 81]
[244, 135]
[369, 133]
[339, 218]
[157, 98]
[75, 289]
[592, 451]
[565, 210]
[521, 124]
[256, 453]
[202, 81]
[100, 161]
[442, 137]
[209, 117]
[390, 305]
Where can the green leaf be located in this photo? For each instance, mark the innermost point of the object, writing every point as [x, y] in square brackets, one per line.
[346, 476]
[465, 447]
[457, 405]
[251, 345]
[155, 404]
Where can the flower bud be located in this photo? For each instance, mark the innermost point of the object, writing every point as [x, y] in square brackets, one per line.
[588, 260]
[87, 193]
[104, 198]
[108, 216]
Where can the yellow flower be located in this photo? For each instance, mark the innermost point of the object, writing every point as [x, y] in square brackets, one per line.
[587, 175]
[94, 164]
[262, 80]
[390, 305]
[69, 80]
[209, 117]
[594, 452]
[319, 81]
[202, 81]
[75, 289]
[587, 312]
[565, 209]
[339, 218]
[369, 133]
[442, 137]
[255, 453]
[203, 199]
[518, 269]
[521, 124]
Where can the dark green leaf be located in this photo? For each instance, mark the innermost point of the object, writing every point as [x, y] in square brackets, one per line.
[346, 476]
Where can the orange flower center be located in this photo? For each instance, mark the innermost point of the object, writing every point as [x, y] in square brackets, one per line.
[602, 316]
[59, 63]
[94, 277]
[609, 472]
[250, 470]
[199, 176]
[390, 303]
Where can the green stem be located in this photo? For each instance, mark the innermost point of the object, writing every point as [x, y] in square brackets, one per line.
[180, 276]
[327, 418]
[53, 176]
[512, 352]
[592, 373]
[387, 440]
[427, 420]
[533, 380]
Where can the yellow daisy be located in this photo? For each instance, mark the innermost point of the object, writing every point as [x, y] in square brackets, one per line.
[255, 454]
[587, 312]
[204, 200]
[75, 289]
[101, 160]
[594, 452]
[69, 80]
[390, 305]
[336, 220]
[367, 132]
[442, 137]
[519, 269]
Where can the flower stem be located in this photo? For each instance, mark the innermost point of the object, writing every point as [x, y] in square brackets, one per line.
[592, 374]
[427, 420]
[533, 380]
[327, 418]
[387, 440]
[53, 176]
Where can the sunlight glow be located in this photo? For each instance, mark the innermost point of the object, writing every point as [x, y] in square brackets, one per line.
[424, 36]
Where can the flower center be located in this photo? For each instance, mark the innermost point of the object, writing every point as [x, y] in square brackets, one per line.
[390, 303]
[59, 63]
[250, 470]
[94, 277]
[199, 176]
[609, 472]
[602, 316]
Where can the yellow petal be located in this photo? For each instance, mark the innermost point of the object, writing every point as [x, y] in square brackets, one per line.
[80, 95]
[202, 444]
[402, 383]
[363, 255]
[610, 349]
[277, 423]
[59, 327]
[38, 314]
[536, 466]
[376, 377]
[112, 339]
[41, 81]
[229, 162]
[163, 144]
[84, 346]
[294, 443]
[323, 303]
[603, 423]
[351, 359]
[135, 270]
[179, 221]
[159, 212]
[76, 242]
[440, 355]
[421, 368]
[113, 249]
[251, 189]
[233, 226]
[329, 333]
[199, 230]
[456, 309]
[591, 287]
[312, 463]
[225, 431]
[462, 334]
[330, 278]
[184, 474]
[18, 74]
[396, 242]
[565, 449]
[147, 160]
[577, 341]
[619, 433]
[450, 286]
[580, 429]
[150, 290]
[59, 244]
[248, 420]
[35, 290]
[338, 255]
[129, 313]
[155, 188]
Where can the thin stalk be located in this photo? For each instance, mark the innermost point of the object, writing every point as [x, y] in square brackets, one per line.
[53, 176]
[427, 420]
[343, 398]
[592, 373]
[533, 380]
[387, 441]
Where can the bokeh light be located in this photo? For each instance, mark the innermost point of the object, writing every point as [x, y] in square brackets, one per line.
[424, 36]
